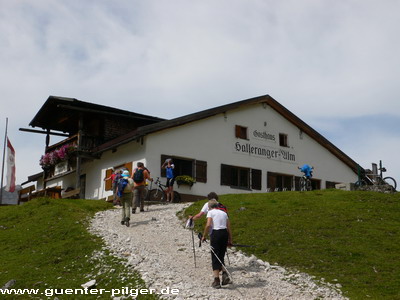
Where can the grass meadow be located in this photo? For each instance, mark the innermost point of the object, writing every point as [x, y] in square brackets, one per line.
[346, 238]
[45, 245]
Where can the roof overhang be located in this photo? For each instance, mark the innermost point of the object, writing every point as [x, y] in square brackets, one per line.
[264, 100]
[62, 114]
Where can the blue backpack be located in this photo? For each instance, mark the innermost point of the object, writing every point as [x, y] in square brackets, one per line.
[122, 183]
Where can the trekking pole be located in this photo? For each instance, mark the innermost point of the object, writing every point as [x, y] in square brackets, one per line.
[212, 250]
[148, 194]
[227, 256]
[190, 225]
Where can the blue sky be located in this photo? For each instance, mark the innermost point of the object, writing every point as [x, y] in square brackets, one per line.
[335, 64]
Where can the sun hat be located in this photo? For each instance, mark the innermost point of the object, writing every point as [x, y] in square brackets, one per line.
[125, 173]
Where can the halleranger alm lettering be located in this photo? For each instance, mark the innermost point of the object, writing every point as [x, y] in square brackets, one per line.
[264, 152]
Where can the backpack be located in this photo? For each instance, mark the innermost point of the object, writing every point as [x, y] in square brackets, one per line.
[116, 178]
[122, 183]
[138, 177]
[222, 207]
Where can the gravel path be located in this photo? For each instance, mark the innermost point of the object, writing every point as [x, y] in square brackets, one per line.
[160, 248]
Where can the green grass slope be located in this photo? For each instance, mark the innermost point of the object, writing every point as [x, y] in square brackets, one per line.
[44, 244]
[347, 238]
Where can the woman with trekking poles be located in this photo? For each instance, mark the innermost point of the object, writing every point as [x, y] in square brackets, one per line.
[220, 238]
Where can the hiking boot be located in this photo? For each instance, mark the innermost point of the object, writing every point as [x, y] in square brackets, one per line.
[122, 222]
[127, 222]
[142, 210]
[216, 283]
[134, 210]
[225, 278]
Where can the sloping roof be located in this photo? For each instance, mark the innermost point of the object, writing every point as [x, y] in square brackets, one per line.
[61, 114]
[33, 178]
[144, 130]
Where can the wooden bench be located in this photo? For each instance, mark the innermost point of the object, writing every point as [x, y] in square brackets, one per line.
[26, 194]
[71, 194]
[50, 192]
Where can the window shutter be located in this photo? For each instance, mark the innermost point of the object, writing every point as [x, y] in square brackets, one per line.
[225, 175]
[128, 166]
[256, 179]
[201, 171]
[108, 184]
[237, 131]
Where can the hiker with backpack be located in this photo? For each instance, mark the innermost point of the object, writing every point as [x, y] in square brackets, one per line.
[139, 177]
[125, 186]
[204, 210]
[220, 238]
[114, 177]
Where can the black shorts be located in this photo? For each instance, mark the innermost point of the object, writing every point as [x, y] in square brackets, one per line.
[219, 243]
[170, 182]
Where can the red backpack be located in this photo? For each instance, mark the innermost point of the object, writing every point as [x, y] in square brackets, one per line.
[222, 207]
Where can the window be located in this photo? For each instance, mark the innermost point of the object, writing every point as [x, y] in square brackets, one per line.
[331, 184]
[239, 177]
[187, 166]
[241, 132]
[256, 179]
[283, 140]
[281, 182]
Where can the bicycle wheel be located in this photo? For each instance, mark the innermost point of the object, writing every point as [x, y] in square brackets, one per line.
[157, 195]
[177, 197]
[302, 184]
[390, 181]
[308, 185]
[359, 184]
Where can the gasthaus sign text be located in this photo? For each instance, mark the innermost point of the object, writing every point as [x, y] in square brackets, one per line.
[264, 152]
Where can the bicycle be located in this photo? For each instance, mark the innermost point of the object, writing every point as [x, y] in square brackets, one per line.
[305, 180]
[159, 195]
[376, 181]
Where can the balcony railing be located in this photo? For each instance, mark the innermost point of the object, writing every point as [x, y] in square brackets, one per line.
[60, 158]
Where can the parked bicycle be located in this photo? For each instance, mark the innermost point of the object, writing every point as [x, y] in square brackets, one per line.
[305, 180]
[377, 181]
[159, 195]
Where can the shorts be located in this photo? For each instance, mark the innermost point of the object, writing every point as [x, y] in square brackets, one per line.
[170, 182]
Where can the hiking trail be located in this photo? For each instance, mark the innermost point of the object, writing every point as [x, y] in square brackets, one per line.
[160, 248]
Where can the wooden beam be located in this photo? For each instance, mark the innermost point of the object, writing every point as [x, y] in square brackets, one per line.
[44, 132]
[96, 111]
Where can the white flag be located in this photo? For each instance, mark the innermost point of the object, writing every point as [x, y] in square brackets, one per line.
[10, 187]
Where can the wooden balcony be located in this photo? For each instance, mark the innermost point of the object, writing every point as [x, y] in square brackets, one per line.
[83, 152]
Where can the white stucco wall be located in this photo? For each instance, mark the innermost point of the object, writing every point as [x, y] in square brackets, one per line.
[213, 140]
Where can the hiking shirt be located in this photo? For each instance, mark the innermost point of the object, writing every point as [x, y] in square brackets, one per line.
[170, 171]
[205, 208]
[219, 218]
[146, 176]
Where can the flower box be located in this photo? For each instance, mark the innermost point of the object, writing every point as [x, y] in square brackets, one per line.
[184, 180]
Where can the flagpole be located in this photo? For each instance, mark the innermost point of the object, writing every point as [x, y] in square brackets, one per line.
[4, 158]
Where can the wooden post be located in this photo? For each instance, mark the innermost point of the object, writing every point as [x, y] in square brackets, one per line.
[47, 139]
[2, 168]
[78, 150]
